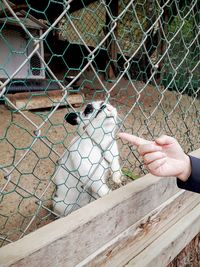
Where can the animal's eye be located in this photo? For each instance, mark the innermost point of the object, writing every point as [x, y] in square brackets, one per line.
[102, 107]
[89, 109]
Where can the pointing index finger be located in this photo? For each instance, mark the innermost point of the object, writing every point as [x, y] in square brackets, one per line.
[137, 141]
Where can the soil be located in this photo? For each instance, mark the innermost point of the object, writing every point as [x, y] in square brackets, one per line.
[189, 256]
[32, 160]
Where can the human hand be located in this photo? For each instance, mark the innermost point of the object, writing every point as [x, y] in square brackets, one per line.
[162, 157]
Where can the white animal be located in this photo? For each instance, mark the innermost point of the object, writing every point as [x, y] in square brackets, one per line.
[84, 168]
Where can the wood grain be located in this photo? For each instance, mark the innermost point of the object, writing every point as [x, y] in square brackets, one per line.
[38, 100]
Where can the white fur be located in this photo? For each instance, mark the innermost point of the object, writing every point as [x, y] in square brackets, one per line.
[84, 168]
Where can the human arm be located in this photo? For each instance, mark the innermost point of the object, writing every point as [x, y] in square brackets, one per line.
[193, 182]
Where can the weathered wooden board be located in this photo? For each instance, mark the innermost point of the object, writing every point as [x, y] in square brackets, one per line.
[70, 240]
[36, 100]
[165, 248]
[133, 240]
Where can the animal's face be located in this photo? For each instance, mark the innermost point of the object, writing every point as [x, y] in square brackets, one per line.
[98, 112]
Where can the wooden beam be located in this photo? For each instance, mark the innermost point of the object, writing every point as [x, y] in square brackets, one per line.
[77, 236]
[165, 248]
[113, 7]
[15, 8]
[140, 235]
[38, 100]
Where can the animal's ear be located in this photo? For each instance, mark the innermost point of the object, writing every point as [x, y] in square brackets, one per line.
[72, 118]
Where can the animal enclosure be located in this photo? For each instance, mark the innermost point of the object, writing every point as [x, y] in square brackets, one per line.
[142, 57]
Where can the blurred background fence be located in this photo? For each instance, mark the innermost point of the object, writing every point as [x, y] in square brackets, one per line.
[56, 56]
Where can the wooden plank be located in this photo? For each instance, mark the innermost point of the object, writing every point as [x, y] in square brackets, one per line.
[112, 48]
[36, 100]
[165, 248]
[90, 227]
[137, 237]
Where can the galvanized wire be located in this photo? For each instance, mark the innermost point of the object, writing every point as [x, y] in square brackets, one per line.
[144, 59]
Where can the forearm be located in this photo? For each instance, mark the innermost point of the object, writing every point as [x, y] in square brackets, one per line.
[193, 182]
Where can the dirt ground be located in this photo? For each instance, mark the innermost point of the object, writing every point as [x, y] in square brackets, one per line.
[189, 256]
[144, 111]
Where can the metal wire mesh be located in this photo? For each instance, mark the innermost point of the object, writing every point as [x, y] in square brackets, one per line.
[141, 56]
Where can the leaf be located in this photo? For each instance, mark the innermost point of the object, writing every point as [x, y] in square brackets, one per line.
[129, 174]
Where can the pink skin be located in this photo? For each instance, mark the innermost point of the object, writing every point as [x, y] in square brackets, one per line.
[162, 157]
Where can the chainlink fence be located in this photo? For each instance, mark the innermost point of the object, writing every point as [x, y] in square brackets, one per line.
[56, 56]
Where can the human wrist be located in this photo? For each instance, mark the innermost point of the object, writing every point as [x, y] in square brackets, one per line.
[187, 169]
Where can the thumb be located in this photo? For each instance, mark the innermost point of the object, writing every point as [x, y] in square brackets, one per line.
[137, 141]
